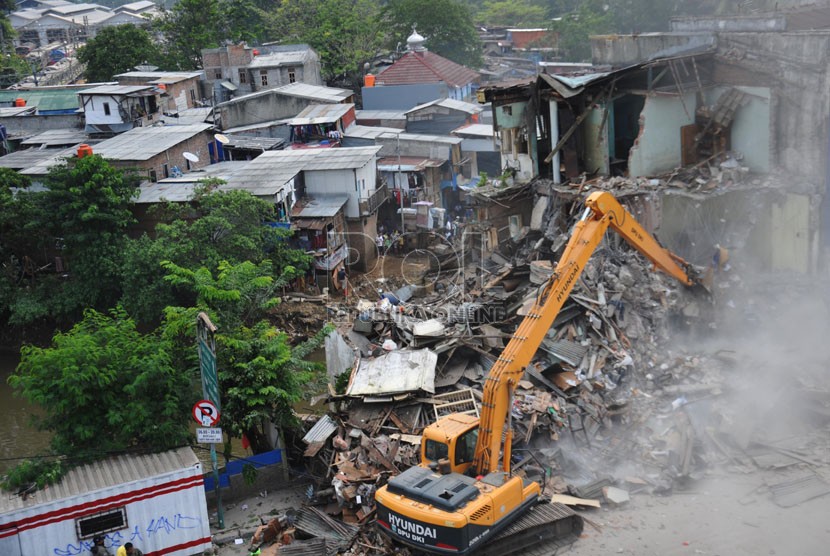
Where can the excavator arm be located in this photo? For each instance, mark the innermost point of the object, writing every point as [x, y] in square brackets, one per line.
[602, 211]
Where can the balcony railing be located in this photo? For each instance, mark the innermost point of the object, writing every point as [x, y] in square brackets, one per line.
[369, 205]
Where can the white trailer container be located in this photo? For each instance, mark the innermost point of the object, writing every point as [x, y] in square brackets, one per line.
[155, 501]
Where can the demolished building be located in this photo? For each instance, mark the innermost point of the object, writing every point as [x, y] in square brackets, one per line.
[696, 142]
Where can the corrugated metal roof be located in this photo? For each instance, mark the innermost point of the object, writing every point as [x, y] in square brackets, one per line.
[143, 143]
[46, 99]
[161, 76]
[321, 431]
[264, 176]
[321, 206]
[9, 111]
[249, 142]
[104, 474]
[57, 137]
[276, 59]
[21, 160]
[369, 132]
[321, 114]
[181, 189]
[116, 89]
[254, 127]
[475, 130]
[305, 90]
[408, 163]
[422, 138]
[452, 104]
[187, 116]
[338, 535]
[565, 350]
[317, 159]
[380, 115]
[396, 372]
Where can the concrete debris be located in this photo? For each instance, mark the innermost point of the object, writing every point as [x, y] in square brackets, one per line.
[608, 408]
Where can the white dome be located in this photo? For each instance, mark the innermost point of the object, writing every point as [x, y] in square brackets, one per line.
[415, 41]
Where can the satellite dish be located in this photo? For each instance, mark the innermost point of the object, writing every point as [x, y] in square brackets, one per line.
[222, 138]
[190, 156]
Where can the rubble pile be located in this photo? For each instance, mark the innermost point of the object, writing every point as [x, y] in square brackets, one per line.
[612, 404]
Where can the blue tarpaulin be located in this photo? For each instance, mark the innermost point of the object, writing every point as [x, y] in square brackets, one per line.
[234, 467]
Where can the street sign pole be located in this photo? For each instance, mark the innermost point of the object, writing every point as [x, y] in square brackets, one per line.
[210, 390]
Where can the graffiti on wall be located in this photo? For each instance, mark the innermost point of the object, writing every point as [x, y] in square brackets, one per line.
[138, 535]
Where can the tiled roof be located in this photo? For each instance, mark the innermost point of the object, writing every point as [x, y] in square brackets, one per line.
[426, 67]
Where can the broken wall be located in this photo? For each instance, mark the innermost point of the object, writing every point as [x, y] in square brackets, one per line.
[751, 128]
[518, 144]
[794, 66]
[658, 147]
[595, 141]
[764, 229]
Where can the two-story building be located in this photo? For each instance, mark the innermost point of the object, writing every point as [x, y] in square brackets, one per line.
[321, 125]
[264, 112]
[179, 91]
[112, 109]
[239, 69]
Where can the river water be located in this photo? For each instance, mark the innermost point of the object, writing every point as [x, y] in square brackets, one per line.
[18, 438]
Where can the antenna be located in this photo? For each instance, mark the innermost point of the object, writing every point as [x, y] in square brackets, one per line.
[222, 138]
[190, 156]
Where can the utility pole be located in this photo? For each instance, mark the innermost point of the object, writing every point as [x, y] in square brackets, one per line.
[205, 331]
[400, 183]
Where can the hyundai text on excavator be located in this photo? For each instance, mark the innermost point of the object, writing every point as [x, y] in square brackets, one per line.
[463, 498]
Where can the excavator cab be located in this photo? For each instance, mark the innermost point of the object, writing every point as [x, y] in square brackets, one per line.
[450, 443]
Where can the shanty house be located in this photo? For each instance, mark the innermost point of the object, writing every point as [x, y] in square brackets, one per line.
[441, 116]
[178, 90]
[320, 125]
[421, 167]
[156, 152]
[118, 108]
[267, 109]
[155, 501]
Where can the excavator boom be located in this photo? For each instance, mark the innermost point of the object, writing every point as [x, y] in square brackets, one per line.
[454, 512]
[603, 211]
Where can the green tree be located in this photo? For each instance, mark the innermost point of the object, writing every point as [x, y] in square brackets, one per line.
[217, 226]
[345, 33]
[519, 13]
[117, 49]
[105, 387]
[446, 24]
[245, 21]
[575, 28]
[190, 26]
[87, 206]
[260, 374]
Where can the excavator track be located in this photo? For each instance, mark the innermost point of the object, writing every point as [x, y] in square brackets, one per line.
[542, 530]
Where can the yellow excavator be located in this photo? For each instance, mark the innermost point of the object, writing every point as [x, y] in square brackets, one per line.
[462, 497]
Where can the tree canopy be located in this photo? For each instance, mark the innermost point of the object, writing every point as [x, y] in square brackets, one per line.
[346, 33]
[117, 49]
[446, 24]
[103, 387]
[190, 26]
[261, 376]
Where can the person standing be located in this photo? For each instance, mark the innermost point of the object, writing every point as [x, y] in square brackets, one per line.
[343, 279]
[98, 548]
[128, 550]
